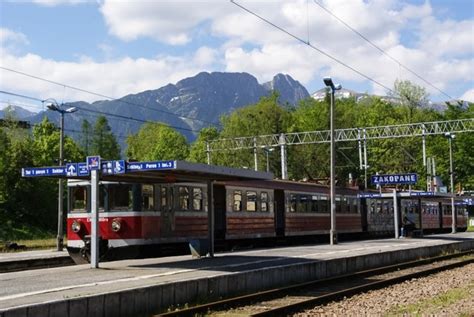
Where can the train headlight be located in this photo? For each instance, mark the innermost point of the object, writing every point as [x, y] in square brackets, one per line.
[116, 225]
[76, 226]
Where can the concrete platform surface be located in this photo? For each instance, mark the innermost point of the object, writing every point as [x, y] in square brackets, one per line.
[31, 255]
[42, 287]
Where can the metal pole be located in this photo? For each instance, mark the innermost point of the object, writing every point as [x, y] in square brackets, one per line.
[210, 207]
[255, 153]
[59, 242]
[451, 172]
[365, 159]
[332, 233]
[424, 146]
[395, 213]
[361, 165]
[268, 166]
[208, 152]
[94, 219]
[284, 172]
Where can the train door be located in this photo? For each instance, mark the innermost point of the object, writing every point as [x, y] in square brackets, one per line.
[219, 211]
[167, 211]
[279, 212]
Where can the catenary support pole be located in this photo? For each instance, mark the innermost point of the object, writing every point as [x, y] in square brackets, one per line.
[60, 237]
[208, 152]
[395, 214]
[255, 154]
[284, 172]
[94, 219]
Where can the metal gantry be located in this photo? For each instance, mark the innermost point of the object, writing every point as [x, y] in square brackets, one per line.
[421, 129]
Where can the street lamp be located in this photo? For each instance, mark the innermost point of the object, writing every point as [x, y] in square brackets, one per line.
[54, 106]
[267, 151]
[450, 137]
[332, 233]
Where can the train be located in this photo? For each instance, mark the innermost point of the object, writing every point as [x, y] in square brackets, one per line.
[137, 219]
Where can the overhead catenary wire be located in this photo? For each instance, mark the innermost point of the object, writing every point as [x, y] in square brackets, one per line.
[96, 111]
[379, 48]
[105, 96]
[314, 47]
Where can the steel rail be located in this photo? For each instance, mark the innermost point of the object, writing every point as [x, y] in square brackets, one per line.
[283, 291]
[344, 135]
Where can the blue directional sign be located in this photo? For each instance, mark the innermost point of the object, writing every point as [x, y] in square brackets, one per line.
[369, 195]
[43, 171]
[82, 169]
[106, 167]
[119, 167]
[93, 163]
[150, 166]
[71, 169]
[422, 194]
[394, 179]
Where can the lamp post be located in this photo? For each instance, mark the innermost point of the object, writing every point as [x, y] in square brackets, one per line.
[332, 233]
[54, 106]
[450, 137]
[267, 151]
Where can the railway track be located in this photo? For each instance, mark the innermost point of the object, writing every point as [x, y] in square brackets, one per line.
[287, 300]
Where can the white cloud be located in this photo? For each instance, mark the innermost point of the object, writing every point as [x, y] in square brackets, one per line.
[10, 39]
[468, 95]
[113, 78]
[171, 22]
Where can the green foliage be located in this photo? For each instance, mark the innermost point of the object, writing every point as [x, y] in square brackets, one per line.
[86, 137]
[265, 117]
[157, 141]
[103, 141]
[198, 151]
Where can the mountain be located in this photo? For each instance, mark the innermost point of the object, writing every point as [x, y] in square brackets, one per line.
[188, 106]
[17, 113]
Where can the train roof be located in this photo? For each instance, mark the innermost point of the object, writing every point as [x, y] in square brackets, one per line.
[155, 171]
[288, 185]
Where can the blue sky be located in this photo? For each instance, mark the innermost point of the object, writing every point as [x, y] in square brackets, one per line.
[119, 47]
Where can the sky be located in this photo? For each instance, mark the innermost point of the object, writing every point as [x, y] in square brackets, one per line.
[113, 48]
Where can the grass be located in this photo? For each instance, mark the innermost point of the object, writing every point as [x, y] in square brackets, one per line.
[33, 244]
[433, 305]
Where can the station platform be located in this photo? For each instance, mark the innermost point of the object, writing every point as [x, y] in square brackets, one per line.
[21, 260]
[149, 286]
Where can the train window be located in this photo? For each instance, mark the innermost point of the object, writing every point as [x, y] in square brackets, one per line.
[371, 203]
[324, 204]
[355, 206]
[183, 197]
[147, 197]
[163, 197]
[338, 204]
[251, 201]
[197, 199]
[302, 203]
[78, 198]
[237, 200]
[264, 201]
[120, 197]
[293, 199]
[314, 204]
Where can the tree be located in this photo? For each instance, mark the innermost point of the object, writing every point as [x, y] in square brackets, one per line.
[103, 141]
[265, 117]
[411, 95]
[198, 152]
[86, 137]
[157, 141]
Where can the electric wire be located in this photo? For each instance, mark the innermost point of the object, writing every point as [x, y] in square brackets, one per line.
[313, 47]
[96, 111]
[104, 96]
[379, 48]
